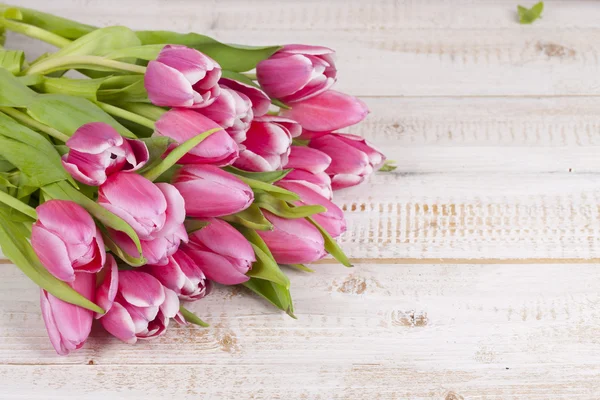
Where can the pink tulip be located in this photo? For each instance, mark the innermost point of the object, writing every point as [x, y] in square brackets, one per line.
[156, 251]
[319, 182]
[180, 124]
[211, 192]
[309, 167]
[69, 325]
[221, 252]
[96, 150]
[141, 309]
[327, 112]
[352, 158]
[297, 72]
[259, 99]
[233, 111]
[107, 283]
[66, 240]
[181, 275]
[331, 220]
[267, 144]
[153, 210]
[293, 241]
[182, 77]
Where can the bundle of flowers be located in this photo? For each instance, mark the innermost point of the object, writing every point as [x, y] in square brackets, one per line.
[137, 169]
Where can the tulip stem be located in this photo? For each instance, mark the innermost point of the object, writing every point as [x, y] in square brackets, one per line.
[51, 64]
[17, 205]
[35, 32]
[27, 120]
[149, 111]
[128, 115]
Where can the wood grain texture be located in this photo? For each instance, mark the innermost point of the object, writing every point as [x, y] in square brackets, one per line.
[473, 276]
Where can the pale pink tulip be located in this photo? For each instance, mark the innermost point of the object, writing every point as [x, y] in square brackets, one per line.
[211, 192]
[293, 241]
[156, 251]
[309, 167]
[259, 99]
[182, 77]
[352, 158]
[267, 144]
[97, 150]
[221, 252]
[233, 111]
[153, 210]
[66, 240]
[181, 275]
[332, 220]
[69, 325]
[327, 112]
[297, 72]
[181, 125]
[141, 309]
[107, 283]
[319, 182]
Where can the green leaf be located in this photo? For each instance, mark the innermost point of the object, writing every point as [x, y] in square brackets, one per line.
[528, 15]
[146, 52]
[277, 295]
[60, 26]
[300, 267]
[14, 93]
[266, 268]
[178, 152]
[388, 166]
[193, 225]
[191, 317]
[64, 191]
[86, 88]
[100, 42]
[135, 91]
[67, 113]
[18, 205]
[267, 177]
[12, 60]
[230, 57]
[31, 80]
[133, 261]
[282, 209]
[251, 218]
[276, 191]
[157, 146]
[253, 237]
[30, 152]
[16, 247]
[331, 245]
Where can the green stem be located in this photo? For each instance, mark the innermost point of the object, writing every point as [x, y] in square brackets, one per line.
[17, 205]
[35, 32]
[84, 62]
[27, 120]
[149, 111]
[128, 115]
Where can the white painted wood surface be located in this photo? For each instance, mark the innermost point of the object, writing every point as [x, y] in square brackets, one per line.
[476, 274]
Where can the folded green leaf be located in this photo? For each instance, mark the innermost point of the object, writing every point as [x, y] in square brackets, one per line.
[146, 52]
[265, 267]
[276, 294]
[253, 237]
[12, 60]
[157, 146]
[86, 88]
[528, 15]
[276, 191]
[133, 261]
[251, 218]
[230, 57]
[331, 245]
[64, 191]
[16, 247]
[132, 92]
[18, 205]
[100, 42]
[300, 267]
[267, 177]
[178, 152]
[31, 80]
[191, 317]
[14, 93]
[68, 113]
[283, 209]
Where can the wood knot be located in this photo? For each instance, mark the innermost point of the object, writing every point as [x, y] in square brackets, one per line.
[353, 285]
[453, 396]
[410, 318]
[555, 50]
[227, 341]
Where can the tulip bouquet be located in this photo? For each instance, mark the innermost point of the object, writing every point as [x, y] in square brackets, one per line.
[137, 168]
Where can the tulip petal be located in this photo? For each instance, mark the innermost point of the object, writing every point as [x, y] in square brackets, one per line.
[160, 76]
[68, 220]
[298, 72]
[107, 291]
[222, 238]
[138, 157]
[306, 158]
[175, 213]
[140, 289]
[217, 268]
[51, 327]
[191, 63]
[94, 138]
[260, 101]
[170, 307]
[53, 254]
[118, 323]
[353, 160]
[342, 181]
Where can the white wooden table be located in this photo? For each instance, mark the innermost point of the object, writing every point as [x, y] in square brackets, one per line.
[476, 261]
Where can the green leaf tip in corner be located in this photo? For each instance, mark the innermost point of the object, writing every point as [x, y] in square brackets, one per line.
[528, 15]
[388, 166]
[191, 317]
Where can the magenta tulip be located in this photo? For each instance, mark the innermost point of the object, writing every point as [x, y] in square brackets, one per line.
[141, 309]
[66, 240]
[267, 144]
[259, 99]
[181, 275]
[352, 158]
[107, 283]
[327, 112]
[297, 72]
[293, 241]
[331, 220]
[182, 77]
[180, 124]
[221, 252]
[320, 182]
[211, 192]
[69, 325]
[153, 210]
[309, 167]
[97, 150]
[233, 111]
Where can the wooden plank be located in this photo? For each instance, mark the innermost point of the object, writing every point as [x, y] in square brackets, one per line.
[393, 48]
[375, 331]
